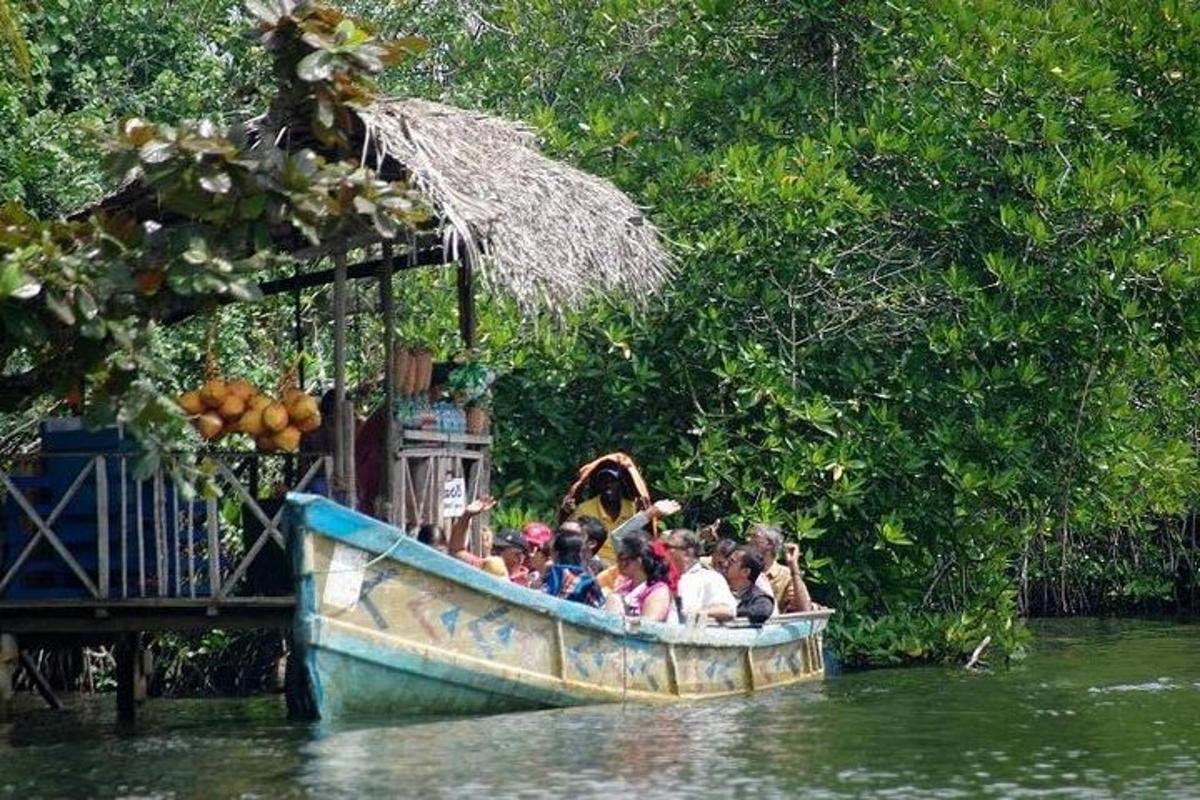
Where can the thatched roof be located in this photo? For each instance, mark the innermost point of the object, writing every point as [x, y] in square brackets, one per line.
[543, 231]
[539, 230]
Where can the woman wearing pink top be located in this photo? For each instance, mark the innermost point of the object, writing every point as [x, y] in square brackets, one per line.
[646, 589]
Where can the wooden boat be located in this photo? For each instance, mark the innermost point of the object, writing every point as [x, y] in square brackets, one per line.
[388, 626]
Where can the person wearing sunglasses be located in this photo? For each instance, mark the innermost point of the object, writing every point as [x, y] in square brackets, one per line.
[647, 585]
[703, 592]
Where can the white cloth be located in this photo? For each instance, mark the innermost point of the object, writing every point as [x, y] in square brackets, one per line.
[701, 587]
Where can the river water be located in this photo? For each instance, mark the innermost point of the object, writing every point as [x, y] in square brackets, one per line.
[1098, 709]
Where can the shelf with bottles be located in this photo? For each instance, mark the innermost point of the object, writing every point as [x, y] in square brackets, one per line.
[441, 398]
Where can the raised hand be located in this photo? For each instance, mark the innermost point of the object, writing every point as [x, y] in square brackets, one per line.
[710, 532]
[567, 507]
[664, 508]
[480, 505]
[792, 554]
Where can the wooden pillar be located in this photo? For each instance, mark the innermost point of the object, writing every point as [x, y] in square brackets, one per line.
[8, 670]
[343, 438]
[387, 301]
[130, 673]
[466, 303]
[298, 325]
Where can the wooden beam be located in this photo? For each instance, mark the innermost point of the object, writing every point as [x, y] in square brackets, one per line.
[387, 303]
[433, 257]
[39, 681]
[189, 307]
[343, 434]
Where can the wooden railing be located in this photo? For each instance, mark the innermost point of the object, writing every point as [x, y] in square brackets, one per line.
[81, 526]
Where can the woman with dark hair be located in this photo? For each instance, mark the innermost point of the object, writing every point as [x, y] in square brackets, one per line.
[567, 577]
[648, 586]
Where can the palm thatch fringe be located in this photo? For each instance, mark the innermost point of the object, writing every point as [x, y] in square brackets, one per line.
[544, 232]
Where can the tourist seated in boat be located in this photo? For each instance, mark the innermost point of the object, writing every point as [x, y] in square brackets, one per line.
[567, 576]
[594, 537]
[509, 544]
[610, 489]
[753, 602]
[702, 592]
[646, 588]
[787, 583]
[641, 521]
[719, 558]
[540, 538]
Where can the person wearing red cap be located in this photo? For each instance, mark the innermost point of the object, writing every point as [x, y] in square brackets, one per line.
[539, 537]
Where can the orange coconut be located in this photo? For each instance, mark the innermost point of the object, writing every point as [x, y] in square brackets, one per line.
[275, 417]
[191, 403]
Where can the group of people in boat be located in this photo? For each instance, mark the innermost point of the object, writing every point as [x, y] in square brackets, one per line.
[610, 550]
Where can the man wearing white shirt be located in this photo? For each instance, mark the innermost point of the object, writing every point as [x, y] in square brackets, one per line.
[702, 591]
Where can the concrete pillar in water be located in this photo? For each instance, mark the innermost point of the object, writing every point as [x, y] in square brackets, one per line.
[8, 669]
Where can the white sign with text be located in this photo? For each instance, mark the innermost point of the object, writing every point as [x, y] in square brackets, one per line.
[454, 497]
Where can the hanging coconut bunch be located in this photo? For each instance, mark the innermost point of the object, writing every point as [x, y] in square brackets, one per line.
[220, 407]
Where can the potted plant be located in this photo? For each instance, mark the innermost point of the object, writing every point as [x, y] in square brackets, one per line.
[471, 387]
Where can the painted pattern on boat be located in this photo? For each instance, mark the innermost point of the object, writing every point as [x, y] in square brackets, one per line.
[424, 633]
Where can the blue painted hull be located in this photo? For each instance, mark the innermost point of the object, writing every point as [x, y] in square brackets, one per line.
[386, 626]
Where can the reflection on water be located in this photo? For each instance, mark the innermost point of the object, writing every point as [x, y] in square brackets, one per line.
[1099, 709]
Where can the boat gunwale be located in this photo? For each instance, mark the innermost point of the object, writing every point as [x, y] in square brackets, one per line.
[324, 517]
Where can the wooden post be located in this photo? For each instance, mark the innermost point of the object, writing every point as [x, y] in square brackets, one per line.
[124, 530]
[343, 430]
[103, 575]
[140, 527]
[129, 666]
[8, 669]
[298, 322]
[389, 381]
[466, 303]
[212, 524]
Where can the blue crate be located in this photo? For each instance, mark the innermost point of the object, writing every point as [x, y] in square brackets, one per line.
[68, 435]
[44, 575]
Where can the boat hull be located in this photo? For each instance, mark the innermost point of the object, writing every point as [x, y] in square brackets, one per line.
[386, 626]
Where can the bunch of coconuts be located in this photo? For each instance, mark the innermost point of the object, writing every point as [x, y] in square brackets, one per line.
[220, 407]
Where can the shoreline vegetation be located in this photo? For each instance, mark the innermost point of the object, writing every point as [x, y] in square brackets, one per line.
[936, 308]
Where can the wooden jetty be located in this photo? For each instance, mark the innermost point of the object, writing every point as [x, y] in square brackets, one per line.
[91, 555]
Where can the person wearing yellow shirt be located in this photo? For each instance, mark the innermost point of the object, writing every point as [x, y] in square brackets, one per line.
[608, 504]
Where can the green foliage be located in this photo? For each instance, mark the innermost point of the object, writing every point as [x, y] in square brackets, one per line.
[471, 383]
